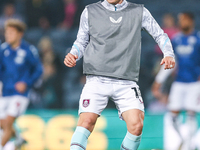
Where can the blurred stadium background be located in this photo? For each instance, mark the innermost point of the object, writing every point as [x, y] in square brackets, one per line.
[52, 113]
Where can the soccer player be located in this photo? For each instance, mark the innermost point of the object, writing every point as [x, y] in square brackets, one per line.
[109, 38]
[20, 67]
[185, 90]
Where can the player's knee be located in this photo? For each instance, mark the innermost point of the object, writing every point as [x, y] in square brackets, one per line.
[88, 124]
[136, 128]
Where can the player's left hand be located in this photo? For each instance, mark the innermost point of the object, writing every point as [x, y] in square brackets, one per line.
[169, 62]
[21, 87]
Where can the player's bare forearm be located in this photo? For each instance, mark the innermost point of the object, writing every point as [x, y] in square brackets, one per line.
[156, 90]
[169, 62]
[70, 60]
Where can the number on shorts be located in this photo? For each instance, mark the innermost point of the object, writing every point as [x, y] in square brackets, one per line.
[136, 92]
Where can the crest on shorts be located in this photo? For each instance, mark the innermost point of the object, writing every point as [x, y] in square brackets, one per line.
[86, 102]
[18, 104]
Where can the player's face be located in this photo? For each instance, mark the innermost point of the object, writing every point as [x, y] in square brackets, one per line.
[168, 21]
[12, 35]
[185, 23]
[114, 2]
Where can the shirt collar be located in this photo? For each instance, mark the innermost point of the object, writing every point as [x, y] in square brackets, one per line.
[116, 7]
[17, 48]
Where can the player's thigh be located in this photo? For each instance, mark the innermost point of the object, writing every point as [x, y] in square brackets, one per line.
[127, 97]
[176, 96]
[4, 102]
[192, 98]
[8, 122]
[94, 97]
[17, 106]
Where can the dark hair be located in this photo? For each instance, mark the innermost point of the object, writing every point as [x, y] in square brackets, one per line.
[17, 24]
[189, 15]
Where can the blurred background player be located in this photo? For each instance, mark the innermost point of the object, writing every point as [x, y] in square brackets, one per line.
[9, 12]
[185, 90]
[20, 67]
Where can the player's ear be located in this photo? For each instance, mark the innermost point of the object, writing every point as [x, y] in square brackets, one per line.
[21, 34]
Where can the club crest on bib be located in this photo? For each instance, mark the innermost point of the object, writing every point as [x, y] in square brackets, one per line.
[86, 102]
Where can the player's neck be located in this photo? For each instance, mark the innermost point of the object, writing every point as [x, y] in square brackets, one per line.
[16, 44]
[120, 2]
[115, 3]
[189, 31]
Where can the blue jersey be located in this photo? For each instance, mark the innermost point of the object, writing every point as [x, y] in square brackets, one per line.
[22, 64]
[187, 51]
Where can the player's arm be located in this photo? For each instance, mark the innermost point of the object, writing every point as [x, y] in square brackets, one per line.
[36, 69]
[1, 84]
[36, 66]
[81, 42]
[152, 27]
[199, 54]
[159, 80]
[1, 65]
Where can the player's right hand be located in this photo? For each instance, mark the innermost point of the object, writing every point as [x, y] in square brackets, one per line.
[70, 60]
[21, 87]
